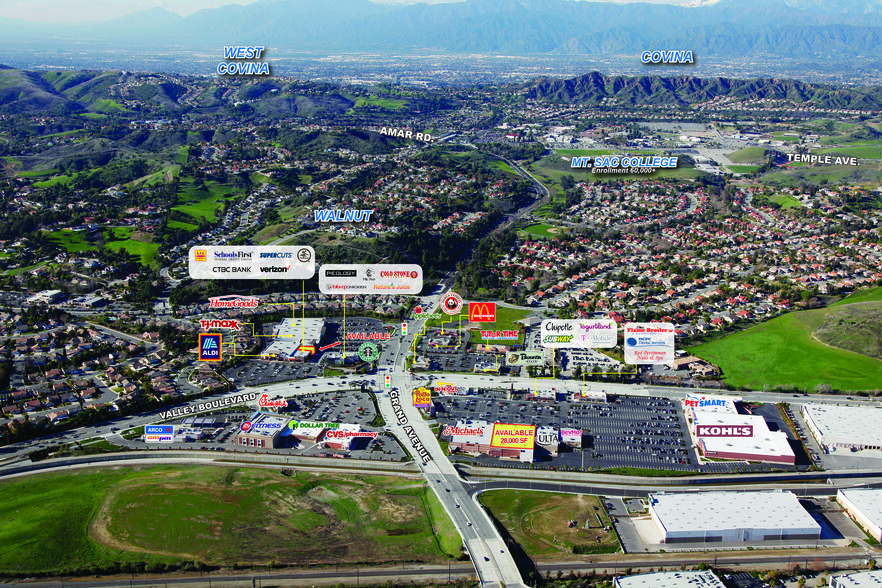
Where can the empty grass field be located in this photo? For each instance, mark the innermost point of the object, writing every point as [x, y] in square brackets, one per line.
[785, 201]
[785, 352]
[72, 241]
[219, 516]
[860, 151]
[742, 169]
[199, 200]
[504, 167]
[173, 224]
[134, 242]
[543, 230]
[536, 519]
[747, 155]
[384, 103]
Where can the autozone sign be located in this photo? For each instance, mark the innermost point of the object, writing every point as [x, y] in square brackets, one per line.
[724, 431]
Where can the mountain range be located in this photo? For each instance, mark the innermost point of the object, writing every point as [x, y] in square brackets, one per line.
[787, 28]
[592, 88]
[68, 92]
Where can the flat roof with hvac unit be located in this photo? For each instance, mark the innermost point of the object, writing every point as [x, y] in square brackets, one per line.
[849, 427]
[295, 339]
[725, 435]
[858, 580]
[864, 505]
[699, 579]
[731, 517]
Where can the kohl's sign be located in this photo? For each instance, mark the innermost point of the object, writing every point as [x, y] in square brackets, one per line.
[723, 431]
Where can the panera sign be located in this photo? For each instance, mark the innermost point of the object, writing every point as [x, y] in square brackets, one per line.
[723, 431]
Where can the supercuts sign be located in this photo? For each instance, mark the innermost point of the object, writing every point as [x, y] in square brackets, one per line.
[724, 430]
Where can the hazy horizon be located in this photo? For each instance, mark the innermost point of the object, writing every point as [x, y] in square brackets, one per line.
[59, 11]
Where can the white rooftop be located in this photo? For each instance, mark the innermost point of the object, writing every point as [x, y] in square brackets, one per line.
[763, 442]
[847, 425]
[475, 432]
[703, 579]
[263, 418]
[859, 580]
[291, 333]
[724, 511]
[866, 500]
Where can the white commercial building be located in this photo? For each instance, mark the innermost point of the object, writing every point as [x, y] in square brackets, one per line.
[845, 427]
[703, 579]
[295, 339]
[858, 580]
[864, 505]
[262, 429]
[723, 435]
[731, 517]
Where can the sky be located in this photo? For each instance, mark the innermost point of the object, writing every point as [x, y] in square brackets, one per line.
[83, 10]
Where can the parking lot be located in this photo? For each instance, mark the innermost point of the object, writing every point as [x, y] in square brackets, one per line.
[343, 407]
[634, 432]
[334, 327]
[260, 373]
[626, 431]
[448, 352]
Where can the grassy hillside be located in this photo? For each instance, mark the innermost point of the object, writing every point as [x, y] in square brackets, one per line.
[748, 155]
[218, 516]
[538, 522]
[786, 351]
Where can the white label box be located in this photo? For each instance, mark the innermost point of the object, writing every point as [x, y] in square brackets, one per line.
[367, 278]
[252, 262]
[578, 333]
[649, 343]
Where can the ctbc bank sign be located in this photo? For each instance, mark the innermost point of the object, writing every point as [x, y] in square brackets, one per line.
[723, 431]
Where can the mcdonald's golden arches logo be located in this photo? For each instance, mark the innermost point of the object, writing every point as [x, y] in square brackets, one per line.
[482, 312]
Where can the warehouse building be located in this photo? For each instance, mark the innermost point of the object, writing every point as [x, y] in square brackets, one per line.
[864, 505]
[844, 427]
[263, 430]
[731, 517]
[295, 339]
[702, 579]
[724, 435]
[858, 580]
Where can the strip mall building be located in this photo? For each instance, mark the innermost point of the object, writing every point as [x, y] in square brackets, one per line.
[720, 432]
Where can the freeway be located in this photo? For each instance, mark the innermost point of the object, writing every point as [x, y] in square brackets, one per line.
[454, 571]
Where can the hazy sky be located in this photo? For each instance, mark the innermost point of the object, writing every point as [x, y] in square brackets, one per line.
[76, 10]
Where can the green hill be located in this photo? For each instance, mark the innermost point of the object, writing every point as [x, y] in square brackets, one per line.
[790, 350]
[748, 155]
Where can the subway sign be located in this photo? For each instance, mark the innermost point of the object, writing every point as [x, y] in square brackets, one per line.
[724, 430]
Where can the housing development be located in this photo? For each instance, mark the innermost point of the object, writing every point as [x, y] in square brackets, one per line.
[310, 316]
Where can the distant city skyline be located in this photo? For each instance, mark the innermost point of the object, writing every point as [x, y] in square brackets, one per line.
[46, 11]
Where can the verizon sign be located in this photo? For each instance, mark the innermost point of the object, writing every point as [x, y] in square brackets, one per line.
[724, 431]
